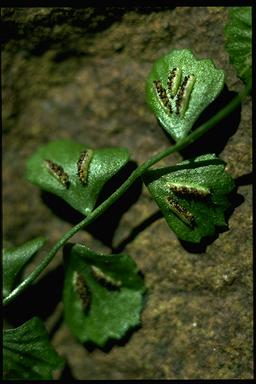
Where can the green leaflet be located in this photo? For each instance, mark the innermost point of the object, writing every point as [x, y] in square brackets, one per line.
[27, 353]
[179, 87]
[238, 33]
[15, 259]
[192, 195]
[73, 172]
[103, 294]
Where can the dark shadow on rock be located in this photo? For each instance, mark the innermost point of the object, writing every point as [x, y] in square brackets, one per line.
[148, 8]
[36, 32]
[90, 346]
[58, 322]
[137, 230]
[235, 200]
[66, 374]
[60, 208]
[244, 180]
[71, 22]
[216, 138]
[40, 300]
[200, 247]
[67, 53]
[103, 228]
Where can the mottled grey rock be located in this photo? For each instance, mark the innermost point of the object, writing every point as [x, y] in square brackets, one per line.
[80, 74]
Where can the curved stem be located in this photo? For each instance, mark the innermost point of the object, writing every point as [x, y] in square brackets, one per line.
[123, 188]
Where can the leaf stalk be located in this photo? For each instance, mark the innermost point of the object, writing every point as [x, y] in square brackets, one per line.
[192, 137]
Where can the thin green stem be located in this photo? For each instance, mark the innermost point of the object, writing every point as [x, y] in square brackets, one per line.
[123, 188]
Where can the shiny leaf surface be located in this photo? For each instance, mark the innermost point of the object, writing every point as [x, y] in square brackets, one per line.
[103, 294]
[179, 87]
[73, 172]
[192, 196]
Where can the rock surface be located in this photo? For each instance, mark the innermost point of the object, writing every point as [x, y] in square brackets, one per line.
[80, 74]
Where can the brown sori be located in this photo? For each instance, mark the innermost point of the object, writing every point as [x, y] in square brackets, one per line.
[82, 289]
[161, 91]
[106, 280]
[181, 212]
[188, 190]
[58, 172]
[184, 94]
[83, 165]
